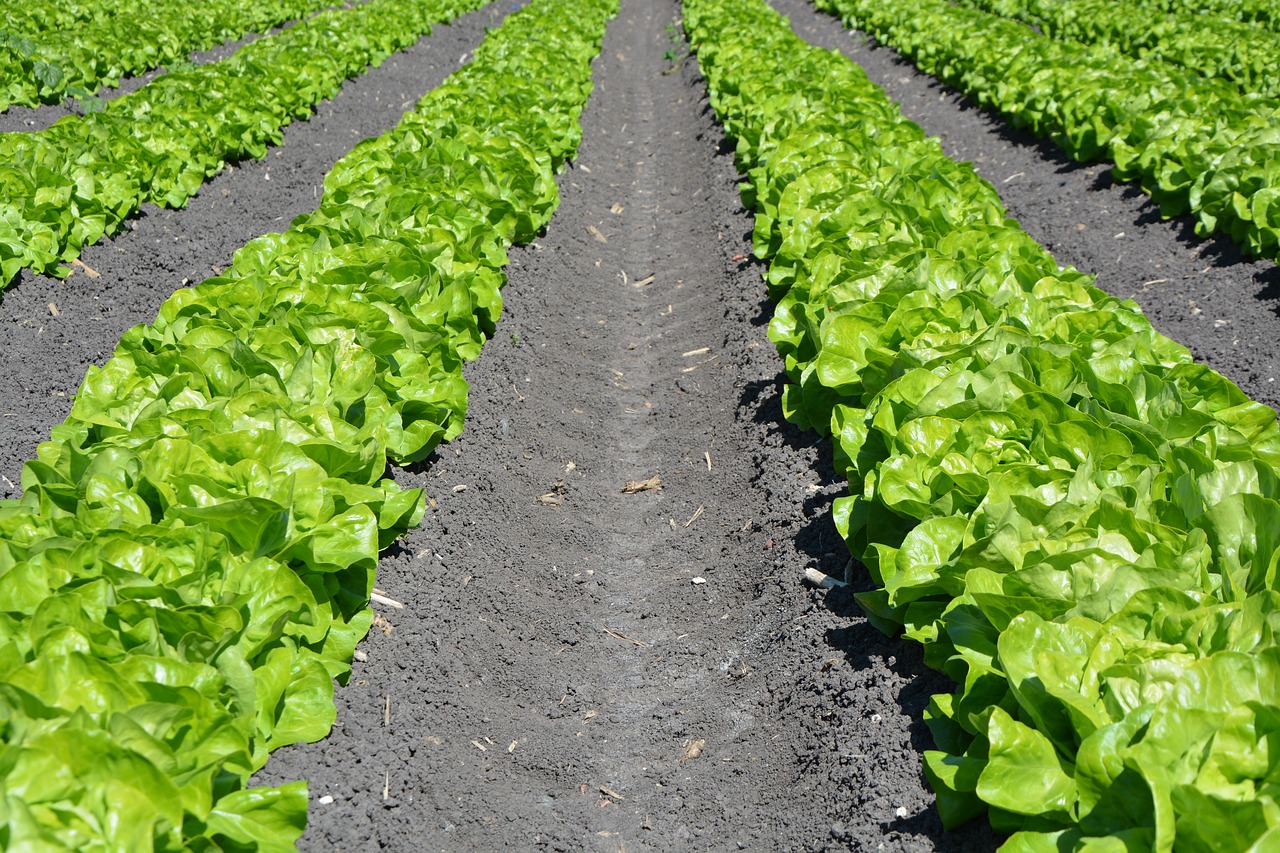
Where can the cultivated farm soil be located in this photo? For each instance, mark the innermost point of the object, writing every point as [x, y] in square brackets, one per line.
[579, 668]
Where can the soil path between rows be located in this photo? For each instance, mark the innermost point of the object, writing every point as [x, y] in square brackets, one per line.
[55, 329]
[1202, 293]
[580, 668]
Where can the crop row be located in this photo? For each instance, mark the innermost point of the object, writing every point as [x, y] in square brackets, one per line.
[43, 65]
[67, 186]
[31, 18]
[190, 565]
[1076, 520]
[1245, 54]
[1264, 13]
[1196, 144]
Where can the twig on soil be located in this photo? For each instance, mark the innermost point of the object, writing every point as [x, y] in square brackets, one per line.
[642, 282]
[697, 515]
[652, 484]
[707, 454]
[698, 351]
[386, 786]
[595, 232]
[822, 580]
[380, 597]
[609, 792]
[88, 270]
[386, 713]
[620, 636]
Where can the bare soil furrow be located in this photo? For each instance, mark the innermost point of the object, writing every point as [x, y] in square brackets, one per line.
[578, 667]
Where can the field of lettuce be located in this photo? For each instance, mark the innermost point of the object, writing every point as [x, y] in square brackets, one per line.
[639, 424]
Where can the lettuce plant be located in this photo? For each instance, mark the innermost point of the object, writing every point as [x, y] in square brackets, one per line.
[1196, 144]
[1076, 520]
[50, 51]
[1240, 52]
[189, 567]
[67, 186]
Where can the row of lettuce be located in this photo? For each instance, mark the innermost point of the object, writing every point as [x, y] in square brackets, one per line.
[1264, 13]
[66, 187]
[190, 565]
[1243, 53]
[1196, 144]
[1077, 521]
[49, 52]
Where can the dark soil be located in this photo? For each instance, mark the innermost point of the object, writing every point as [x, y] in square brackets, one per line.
[45, 353]
[575, 667]
[1202, 293]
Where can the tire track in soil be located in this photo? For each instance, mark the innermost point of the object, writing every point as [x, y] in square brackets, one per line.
[45, 355]
[556, 679]
[1202, 293]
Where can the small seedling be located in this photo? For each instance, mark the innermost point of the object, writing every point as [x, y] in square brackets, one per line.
[678, 52]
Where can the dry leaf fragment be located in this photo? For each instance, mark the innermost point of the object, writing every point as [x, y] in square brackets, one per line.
[693, 750]
[53, 309]
[617, 208]
[652, 484]
[595, 232]
[644, 281]
[609, 792]
[382, 624]
[555, 497]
